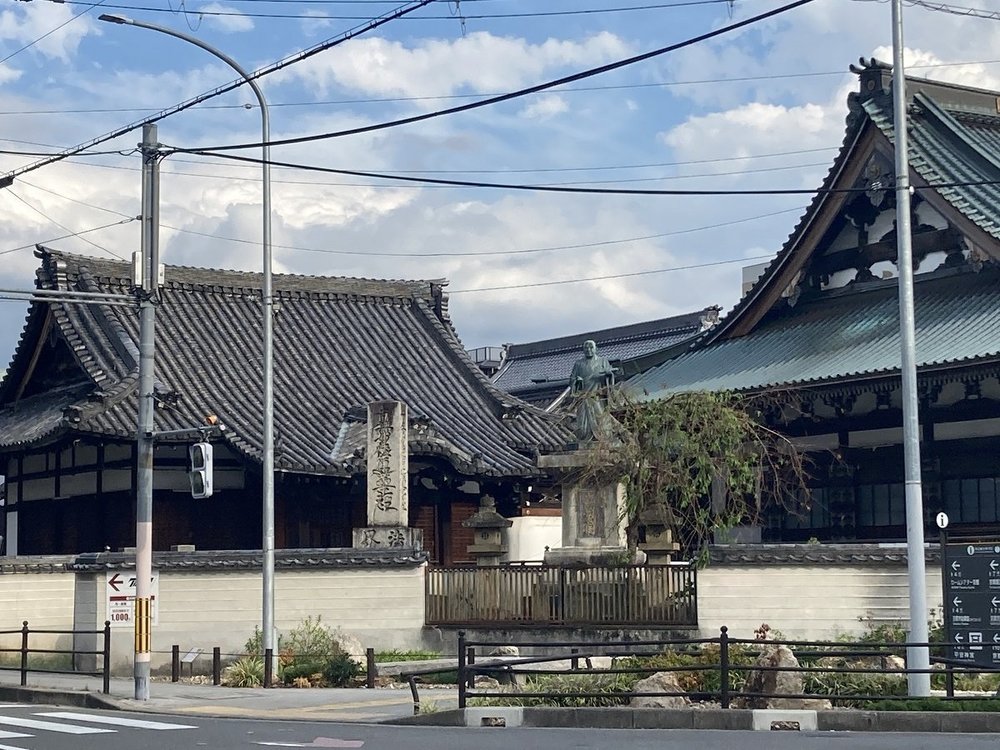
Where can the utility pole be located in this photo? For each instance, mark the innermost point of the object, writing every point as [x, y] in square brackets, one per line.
[918, 657]
[149, 265]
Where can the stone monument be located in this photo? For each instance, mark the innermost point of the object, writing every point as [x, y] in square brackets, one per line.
[593, 511]
[488, 547]
[388, 479]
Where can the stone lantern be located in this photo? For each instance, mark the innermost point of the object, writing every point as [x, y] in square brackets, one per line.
[488, 526]
[659, 546]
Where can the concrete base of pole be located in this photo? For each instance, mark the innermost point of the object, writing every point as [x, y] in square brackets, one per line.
[142, 682]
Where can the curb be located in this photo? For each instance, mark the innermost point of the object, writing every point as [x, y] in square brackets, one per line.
[970, 722]
[77, 698]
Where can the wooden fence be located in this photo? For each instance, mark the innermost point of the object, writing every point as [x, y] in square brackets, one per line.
[647, 595]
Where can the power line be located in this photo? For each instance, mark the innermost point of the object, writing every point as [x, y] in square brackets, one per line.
[285, 62]
[50, 32]
[68, 236]
[521, 92]
[377, 254]
[543, 188]
[48, 218]
[466, 16]
[609, 276]
[443, 97]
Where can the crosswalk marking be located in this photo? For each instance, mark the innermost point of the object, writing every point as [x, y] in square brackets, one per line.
[114, 720]
[51, 726]
[12, 747]
[12, 735]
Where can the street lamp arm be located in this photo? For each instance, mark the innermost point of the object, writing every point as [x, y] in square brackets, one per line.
[267, 326]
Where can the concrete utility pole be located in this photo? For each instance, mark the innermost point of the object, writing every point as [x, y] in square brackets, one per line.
[149, 265]
[918, 657]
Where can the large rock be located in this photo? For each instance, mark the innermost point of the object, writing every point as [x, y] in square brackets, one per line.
[661, 682]
[773, 674]
[350, 645]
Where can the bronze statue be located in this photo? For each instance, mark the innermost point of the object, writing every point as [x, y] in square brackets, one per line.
[591, 375]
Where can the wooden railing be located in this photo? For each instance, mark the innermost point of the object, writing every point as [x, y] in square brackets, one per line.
[647, 595]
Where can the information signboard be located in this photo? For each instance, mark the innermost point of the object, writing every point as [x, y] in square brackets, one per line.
[119, 593]
[972, 602]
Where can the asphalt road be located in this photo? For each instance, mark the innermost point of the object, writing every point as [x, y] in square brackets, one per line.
[36, 727]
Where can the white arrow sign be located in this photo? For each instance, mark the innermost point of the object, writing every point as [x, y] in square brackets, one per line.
[993, 565]
[958, 637]
[957, 602]
[955, 565]
[995, 602]
[996, 637]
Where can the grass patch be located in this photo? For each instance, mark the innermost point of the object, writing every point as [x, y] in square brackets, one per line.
[396, 655]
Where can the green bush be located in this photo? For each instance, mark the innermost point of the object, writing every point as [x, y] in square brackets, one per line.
[245, 672]
[395, 655]
[617, 688]
[706, 679]
[340, 669]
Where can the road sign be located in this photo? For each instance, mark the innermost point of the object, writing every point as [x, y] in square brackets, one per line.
[942, 520]
[972, 601]
[119, 593]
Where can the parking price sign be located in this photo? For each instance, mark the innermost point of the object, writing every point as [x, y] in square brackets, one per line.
[119, 591]
[972, 602]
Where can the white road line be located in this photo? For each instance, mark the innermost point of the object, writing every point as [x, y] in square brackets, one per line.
[12, 747]
[114, 720]
[12, 735]
[51, 726]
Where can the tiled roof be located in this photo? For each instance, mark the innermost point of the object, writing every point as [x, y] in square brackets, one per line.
[541, 363]
[339, 344]
[240, 560]
[955, 138]
[849, 333]
[814, 555]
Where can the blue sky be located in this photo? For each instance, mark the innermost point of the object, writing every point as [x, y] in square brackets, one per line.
[760, 108]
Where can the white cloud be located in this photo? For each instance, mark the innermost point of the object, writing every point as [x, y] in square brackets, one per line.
[478, 61]
[234, 22]
[49, 29]
[545, 108]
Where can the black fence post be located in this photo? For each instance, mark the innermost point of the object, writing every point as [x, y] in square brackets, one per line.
[175, 663]
[462, 687]
[216, 665]
[370, 666]
[268, 667]
[106, 666]
[24, 653]
[575, 660]
[469, 661]
[724, 666]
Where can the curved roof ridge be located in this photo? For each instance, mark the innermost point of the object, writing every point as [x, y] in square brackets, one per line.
[946, 120]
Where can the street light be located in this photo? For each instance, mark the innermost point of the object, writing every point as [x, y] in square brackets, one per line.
[268, 344]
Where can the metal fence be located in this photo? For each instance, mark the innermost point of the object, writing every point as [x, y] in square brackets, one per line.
[646, 595]
[50, 665]
[722, 666]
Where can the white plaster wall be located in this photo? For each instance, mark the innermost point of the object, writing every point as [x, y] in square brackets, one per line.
[45, 600]
[801, 602]
[383, 608]
[528, 537]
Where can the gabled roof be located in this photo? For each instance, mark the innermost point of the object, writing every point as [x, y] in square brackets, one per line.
[853, 332]
[339, 343]
[546, 364]
[773, 339]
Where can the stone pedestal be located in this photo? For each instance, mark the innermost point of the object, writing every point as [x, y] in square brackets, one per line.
[659, 544]
[388, 480]
[593, 516]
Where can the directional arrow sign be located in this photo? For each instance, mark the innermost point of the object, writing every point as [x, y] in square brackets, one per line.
[996, 637]
[956, 602]
[993, 565]
[115, 582]
[958, 638]
[955, 565]
[995, 602]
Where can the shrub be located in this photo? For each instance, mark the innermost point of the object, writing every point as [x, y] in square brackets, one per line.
[395, 655]
[340, 669]
[247, 671]
[311, 649]
[617, 688]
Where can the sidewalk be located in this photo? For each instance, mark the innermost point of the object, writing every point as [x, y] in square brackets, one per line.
[316, 704]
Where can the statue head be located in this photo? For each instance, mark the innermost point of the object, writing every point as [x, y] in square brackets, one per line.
[589, 348]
